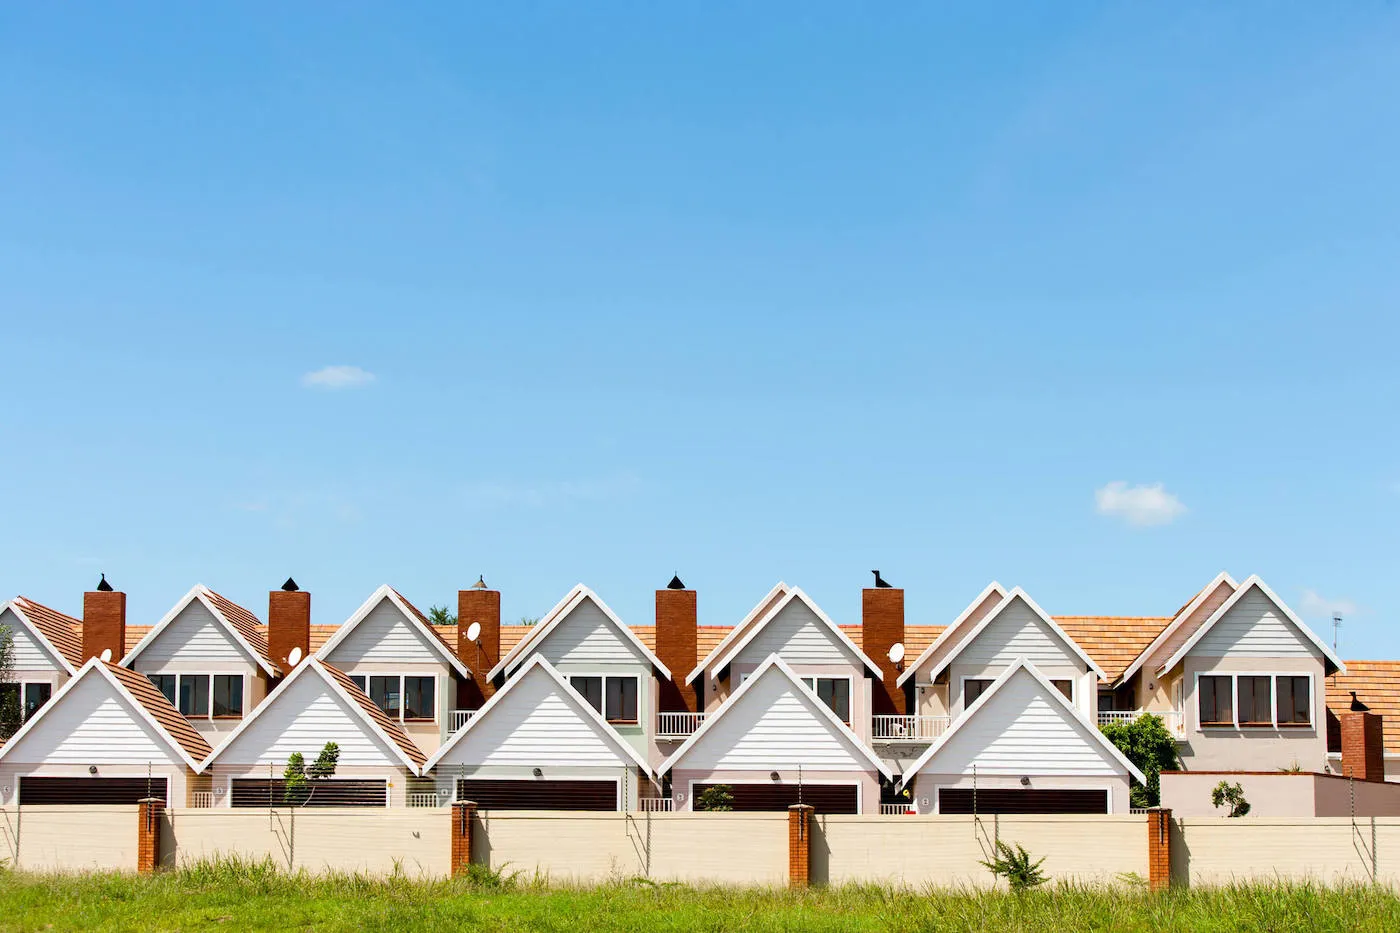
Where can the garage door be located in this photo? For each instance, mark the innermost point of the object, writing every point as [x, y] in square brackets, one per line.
[334, 792]
[825, 798]
[89, 790]
[1022, 800]
[539, 795]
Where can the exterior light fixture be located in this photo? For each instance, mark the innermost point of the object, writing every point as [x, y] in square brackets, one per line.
[537, 772]
[92, 769]
[775, 777]
[1025, 781]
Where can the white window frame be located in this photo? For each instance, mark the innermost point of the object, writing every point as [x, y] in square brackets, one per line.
[850, 690]
[641, 706]
[1273, 723]
[962, 689]
[437, 692]
[208, 713]
[24, 685]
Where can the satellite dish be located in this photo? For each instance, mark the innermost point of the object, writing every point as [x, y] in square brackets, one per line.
[897, 652]
[294, 657]
[106, 655]
[474, 631]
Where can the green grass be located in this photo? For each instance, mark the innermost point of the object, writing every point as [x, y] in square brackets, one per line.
[244, 896]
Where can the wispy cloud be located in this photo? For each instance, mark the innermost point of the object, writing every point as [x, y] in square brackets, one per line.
[1138, 505]
[493, 494]
[337, 377]
[1316, 606]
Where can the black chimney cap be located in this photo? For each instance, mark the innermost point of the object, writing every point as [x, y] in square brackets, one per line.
[103, 586]
[675, 583]
[290, 586]
[880, 583]
[480, 583]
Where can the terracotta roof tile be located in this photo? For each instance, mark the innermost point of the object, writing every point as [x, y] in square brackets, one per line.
[1377, 684]
[381, 719]
[247, 624]
[155, 703]
[1113, 641]
[65, 633]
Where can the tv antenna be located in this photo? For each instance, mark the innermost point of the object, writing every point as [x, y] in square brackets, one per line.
[1336, 626]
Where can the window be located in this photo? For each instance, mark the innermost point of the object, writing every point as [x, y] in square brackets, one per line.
[359, 681]
[1217, 707]
[1105, 701]
[1066, 687]
[974, 688]
[228, 695]
[35, 696]
[591, 689]
[418, 698]
[165, 683]
[385, 692]
[835, 692]
[194, 695]
[1294, 701]
[1254, 701]
[614, 697]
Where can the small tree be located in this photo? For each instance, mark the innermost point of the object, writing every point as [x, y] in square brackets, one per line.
[299, 780]
[717, 797]
[1232, 795]
[11, 703]
[1015, 865]
[1147, 743]
[441, 615]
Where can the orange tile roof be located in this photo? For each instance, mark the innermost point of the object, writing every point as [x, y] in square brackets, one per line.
[381, 719]
[1113, 641]
[1377, 684]
[63, 632]
[247, 624]
[155, 703]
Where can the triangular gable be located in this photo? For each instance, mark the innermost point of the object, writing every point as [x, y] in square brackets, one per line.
[1177, 628]
[416, 621]
[1255, 585]
[1041, 616]
[557, 616]
[49, 631]
[795, 595]
[314, 705]
[976, 611]
[1022, 725]
[115, 710]
[237, 623]
[773, 721]
[537, 719]
[760, 609]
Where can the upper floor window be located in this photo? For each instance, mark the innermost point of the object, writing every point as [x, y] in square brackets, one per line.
[1065, 687]
[406, 697]
[615, 698]
[974, 687]
[1254, 700]
[835, 692]
[192, 695]
[27, 696]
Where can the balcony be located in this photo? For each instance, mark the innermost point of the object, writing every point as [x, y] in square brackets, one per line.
[461, 717]
[677, 725]
[1170, 718]
[655, 804]
[892, 729]
[897, 809]
[422, 799]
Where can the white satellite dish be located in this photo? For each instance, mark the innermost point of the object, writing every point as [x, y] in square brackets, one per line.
[294, 657]
[897, 652]
[106, 655]
[474, 631]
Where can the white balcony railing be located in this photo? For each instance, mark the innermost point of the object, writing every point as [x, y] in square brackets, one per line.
[896, 809]
[907, 728]
[202, 798]
[655, 804]
[677, 725]
[461, 717]
[1170, 718]
[423, 799]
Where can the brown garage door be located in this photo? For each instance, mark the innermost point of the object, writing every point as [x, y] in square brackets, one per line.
[89, 790]
[825, 798]
[1022, 800]
[333, 792]
[539, 795]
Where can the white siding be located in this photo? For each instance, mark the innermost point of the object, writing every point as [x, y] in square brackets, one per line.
[1204, 611]
[1018, 632]
[1023, 731]
[534, 725]
[944, 647]
[194, 636]
[303, 719]
[385, 636]
[30, 654]
[1254, 627]
[92, 724]
[797, 636]
[586, 636]
[774, 726]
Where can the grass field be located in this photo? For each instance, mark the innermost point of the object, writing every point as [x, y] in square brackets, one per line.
[253, 897]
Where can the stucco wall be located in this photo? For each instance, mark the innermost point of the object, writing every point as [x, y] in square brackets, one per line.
[77, 838]
[1213, 851]
[1280, 795]
[1253, 748]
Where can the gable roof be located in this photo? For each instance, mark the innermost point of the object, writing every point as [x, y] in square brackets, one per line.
[57, 632]
[410, 612]
[777, 667]
[1174, 626]
[569, 695]
[542, 629]
[794, 594]
[1001, 607]
[150, 704]
[237, 621]
[1252, 583]
[1046, 690]
[379, 723]
[951, 633]
[759, 610]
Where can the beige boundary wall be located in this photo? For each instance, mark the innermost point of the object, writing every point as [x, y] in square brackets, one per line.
[80, 838]
[1330, 850]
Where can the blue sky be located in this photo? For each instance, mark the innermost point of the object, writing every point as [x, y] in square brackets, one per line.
[748, 294]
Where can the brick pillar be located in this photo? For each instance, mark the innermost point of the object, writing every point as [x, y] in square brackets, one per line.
[799, 845]
[288, 625]
[881, 626]
[463, 815]
[676, 639]
[1363, 746]
[483, 607]
[104, 624]
[148, 813]
[1159, 848]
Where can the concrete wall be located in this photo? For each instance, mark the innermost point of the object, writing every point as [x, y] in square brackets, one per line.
[1276, 794]
[79, 838]
[1215, 851]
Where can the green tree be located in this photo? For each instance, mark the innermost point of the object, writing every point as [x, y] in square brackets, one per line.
[1231, 795]
[716, 797]
[11, 704]
[1147, 743]
[441, 615]
[299, 780]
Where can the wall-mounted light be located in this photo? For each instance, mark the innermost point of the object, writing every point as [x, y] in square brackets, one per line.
[537, 772]
[92, 769]
[775, 777]
[1025, 781]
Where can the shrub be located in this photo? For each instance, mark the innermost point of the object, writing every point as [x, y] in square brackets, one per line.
[1232, 794]
[716, 797]
[1147, 743]
[1015, 865]
[299, 779]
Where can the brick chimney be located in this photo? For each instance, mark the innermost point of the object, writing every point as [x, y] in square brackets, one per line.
[104, 622]
[482, 606]
[1363, 746]
[288, 624]
[882, 626]
[676, 621]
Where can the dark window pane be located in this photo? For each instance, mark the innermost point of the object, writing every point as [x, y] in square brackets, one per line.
[359, 681]
[35, 696]
[194, 695]
[1255, 701]
[384, 691]
[835, 692]
[621, 699]
[418, 698]
[1294, 703]
[228, 695]
[1216, 702]
[165, 683]
[972, 689]
[1064, 686]
[591, 689]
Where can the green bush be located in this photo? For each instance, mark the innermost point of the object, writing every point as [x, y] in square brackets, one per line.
[716, 797]
[1147, 743]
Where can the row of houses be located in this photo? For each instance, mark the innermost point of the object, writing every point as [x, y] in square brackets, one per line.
[996, 711]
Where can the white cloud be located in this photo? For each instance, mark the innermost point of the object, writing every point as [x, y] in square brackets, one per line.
[337, 377]
[1138, 505]
[1314, 605]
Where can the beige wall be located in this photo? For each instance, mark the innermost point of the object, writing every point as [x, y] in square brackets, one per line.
[1211, 850]
[1187, 794]
[75, 838]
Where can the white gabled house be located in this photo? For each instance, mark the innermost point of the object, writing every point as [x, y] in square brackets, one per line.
[392, 652]
[1021, 747]
[209, 656]
[773, 743]
[314, 705]
[108, 736]
[47, 651]
[537, 744]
